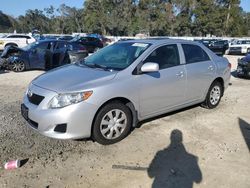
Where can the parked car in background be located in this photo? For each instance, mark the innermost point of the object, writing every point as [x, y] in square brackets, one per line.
[76, 51]
[105, 41]
[243, 68]
[109, 92]
[241, 47]
[219, 47]
[45, 54]
[92, 44]
[205, 42]
[65, 37]
[17, 40]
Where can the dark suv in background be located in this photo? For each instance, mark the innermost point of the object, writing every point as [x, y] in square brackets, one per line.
[45, 54]
[243, 68]
[219, 47]
[92, 44]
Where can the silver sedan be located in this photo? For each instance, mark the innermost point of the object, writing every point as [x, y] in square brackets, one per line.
[109, 92]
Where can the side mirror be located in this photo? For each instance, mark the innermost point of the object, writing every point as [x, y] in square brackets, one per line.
[150, 67]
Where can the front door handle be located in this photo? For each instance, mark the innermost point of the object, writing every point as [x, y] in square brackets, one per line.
[211, 67]
[180, 74]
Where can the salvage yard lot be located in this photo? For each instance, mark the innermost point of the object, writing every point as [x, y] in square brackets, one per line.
[214, 151]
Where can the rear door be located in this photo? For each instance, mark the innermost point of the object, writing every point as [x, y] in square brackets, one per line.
[59, 53]
[200, 71]
[165, 89]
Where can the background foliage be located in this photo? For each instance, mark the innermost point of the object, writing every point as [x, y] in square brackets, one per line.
[121, 18]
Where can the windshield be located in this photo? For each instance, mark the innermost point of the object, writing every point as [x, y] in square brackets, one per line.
[117, 56]
[243, 42]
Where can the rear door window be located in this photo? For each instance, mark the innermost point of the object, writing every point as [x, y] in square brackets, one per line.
[194, 53]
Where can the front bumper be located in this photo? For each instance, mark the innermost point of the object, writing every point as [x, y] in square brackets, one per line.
[77, 117]
[235, 51]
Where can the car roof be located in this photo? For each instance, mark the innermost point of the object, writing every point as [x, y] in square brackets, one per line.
[158, 41]
[51, 40]
[19, 35]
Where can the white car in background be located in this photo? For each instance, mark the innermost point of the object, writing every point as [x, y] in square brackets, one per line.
[240, 47]
[18, 40]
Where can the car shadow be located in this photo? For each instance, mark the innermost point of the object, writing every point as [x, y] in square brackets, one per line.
[245, 130]
[173, 166]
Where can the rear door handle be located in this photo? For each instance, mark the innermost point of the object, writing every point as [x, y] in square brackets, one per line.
[180, 74]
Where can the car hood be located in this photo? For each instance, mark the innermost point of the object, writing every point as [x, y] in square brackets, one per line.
[71, 78]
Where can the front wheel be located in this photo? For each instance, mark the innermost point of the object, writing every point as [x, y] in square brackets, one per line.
[18, 65]
[213, 96]
[112, 123]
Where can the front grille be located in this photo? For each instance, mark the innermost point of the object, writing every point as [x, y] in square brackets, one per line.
[35, 99]
[235, 48]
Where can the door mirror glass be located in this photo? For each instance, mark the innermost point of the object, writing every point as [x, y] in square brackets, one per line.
[150, 67]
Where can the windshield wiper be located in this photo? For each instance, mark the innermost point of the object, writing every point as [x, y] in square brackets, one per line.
[95, 65]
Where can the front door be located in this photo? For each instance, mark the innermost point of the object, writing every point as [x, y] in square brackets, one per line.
[38, 55]
[163, 90]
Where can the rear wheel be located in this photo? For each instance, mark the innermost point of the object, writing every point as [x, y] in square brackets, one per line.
[213, 96]
[18, 65]
[112, 123]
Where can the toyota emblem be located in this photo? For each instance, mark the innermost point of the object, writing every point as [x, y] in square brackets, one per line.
[30, 93]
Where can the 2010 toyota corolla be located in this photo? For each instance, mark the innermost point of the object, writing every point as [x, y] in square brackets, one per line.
[106, 95]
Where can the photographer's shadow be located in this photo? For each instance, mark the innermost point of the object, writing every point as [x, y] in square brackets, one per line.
[174, 167]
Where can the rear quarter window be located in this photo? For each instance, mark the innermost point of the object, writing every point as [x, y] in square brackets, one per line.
[194, 53]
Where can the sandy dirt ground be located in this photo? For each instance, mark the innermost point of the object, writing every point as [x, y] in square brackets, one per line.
[194, 147]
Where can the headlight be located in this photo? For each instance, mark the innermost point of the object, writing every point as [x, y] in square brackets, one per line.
[63, 100]
[244, 47]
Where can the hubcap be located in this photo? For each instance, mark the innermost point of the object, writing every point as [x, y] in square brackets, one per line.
[113, 124]
[215, 95]
[18, 65]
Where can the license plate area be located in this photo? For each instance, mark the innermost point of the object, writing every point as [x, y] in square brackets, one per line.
[25, 111]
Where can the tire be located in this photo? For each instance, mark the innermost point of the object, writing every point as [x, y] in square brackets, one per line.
[214, 95]
[106, 130]
[18, 65]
